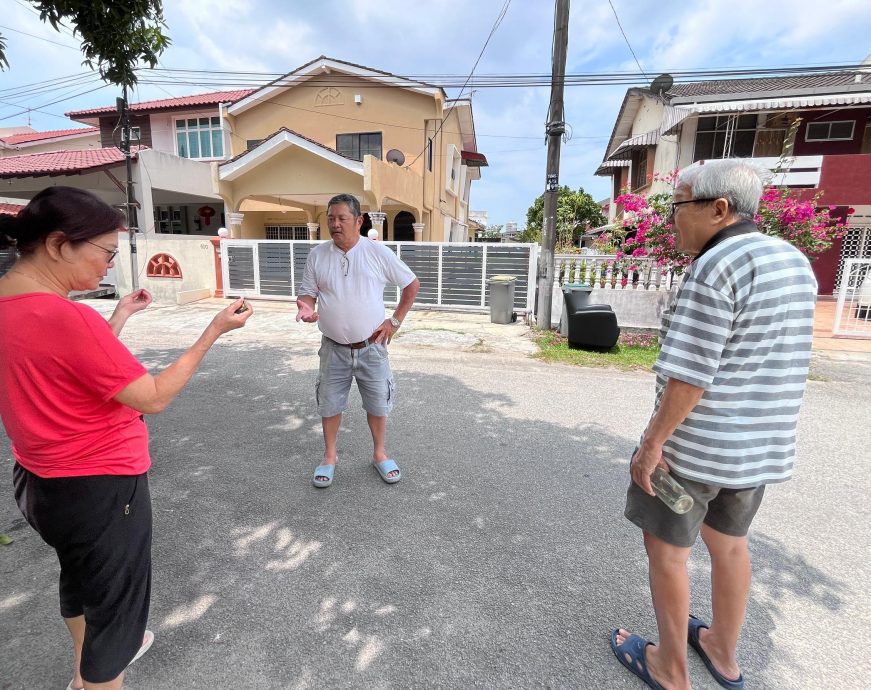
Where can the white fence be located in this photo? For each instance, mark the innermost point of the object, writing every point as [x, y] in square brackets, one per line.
[853, 315]
[597, 270]
[451, 274]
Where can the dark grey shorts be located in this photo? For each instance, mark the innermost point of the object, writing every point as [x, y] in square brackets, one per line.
[729, 511]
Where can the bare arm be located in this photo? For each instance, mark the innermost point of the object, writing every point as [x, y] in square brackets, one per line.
[127, 306]
[385, 332]
[678, 400]
[152, 394]
[406, 299]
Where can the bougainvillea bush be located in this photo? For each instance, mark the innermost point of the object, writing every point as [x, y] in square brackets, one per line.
[646, 232]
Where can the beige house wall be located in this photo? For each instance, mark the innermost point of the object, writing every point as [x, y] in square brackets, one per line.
[397, 113]
[297, 170]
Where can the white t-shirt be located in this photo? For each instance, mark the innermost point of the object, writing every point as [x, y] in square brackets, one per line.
[349, 287]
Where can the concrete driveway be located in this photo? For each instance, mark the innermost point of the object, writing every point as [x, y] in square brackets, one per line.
[501, 560]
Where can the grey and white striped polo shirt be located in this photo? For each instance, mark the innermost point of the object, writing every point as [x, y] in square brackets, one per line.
[740, 327]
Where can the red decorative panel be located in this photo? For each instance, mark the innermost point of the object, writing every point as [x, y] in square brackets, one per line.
[163, 266]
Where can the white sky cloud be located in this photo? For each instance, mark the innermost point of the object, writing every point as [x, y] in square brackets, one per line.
[445, 37]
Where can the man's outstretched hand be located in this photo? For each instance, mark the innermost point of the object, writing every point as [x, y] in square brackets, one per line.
[305, 313]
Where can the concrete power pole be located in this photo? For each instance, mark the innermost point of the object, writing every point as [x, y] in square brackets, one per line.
[554, 129]
[130, 205]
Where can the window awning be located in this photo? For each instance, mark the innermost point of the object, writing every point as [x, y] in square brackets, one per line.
[473, 159]
[624, 150]
[677, 113]
[611, 167]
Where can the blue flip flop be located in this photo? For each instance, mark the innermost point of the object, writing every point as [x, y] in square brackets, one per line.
[693, 638]
[323, 471]
[385, 467]
[634, 646]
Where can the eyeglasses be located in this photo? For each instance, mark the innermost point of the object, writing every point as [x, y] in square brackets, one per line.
[112, 252]
[675, 204]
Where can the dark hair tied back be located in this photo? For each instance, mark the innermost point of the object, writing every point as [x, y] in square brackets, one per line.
[77, 213]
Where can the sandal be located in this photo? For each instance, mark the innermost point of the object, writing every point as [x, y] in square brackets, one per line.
[693, 638]
[323, 471]
[634, 646]
[385, 467]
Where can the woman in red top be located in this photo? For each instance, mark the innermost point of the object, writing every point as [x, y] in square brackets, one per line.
[71, 400]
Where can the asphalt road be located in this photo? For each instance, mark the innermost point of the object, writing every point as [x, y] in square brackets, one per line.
[501, 560]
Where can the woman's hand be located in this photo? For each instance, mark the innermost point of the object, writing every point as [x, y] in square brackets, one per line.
[128, 305]
[228, 320]
[134, 302]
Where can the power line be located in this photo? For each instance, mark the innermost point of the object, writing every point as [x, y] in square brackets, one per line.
[625, 38]
[60, 100]
[496, 24]
[39, 38]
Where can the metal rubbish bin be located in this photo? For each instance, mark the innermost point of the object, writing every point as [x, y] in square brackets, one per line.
[575, 295]
[502, 299]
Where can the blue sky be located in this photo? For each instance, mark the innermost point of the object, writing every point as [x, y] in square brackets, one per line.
[445, 37]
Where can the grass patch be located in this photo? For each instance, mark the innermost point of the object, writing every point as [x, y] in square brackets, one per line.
[633, 351]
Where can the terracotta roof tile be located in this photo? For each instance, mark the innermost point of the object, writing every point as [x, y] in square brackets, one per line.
[60, 162]
[760, 85]
[170, 103]
[28, 137]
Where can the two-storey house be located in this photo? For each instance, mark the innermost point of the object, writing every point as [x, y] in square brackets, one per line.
[406, 151]
[826, 154]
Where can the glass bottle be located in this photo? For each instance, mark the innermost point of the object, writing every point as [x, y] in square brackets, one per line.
[670, 492]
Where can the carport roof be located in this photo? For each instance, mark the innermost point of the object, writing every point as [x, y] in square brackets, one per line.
[62, 162]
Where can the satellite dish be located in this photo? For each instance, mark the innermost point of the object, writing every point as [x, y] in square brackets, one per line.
[661, 84]
[395, 156]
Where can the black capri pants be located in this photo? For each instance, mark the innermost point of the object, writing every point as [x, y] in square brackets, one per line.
[100, 527]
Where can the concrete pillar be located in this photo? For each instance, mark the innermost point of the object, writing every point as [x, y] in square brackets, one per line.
[313, 230]
[223, 234]
[378, 218]
[235, 220]
[418, 231]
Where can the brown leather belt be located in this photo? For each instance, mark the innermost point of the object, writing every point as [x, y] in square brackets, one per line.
[357, 346]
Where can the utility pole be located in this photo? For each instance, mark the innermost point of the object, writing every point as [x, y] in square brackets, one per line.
[130, 205]
[554, 130]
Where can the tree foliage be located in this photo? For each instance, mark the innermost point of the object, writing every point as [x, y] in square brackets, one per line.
[576, 213]
[116, 36]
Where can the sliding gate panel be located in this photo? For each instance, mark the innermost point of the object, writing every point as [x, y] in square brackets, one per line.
[450, 274]
[423, 260]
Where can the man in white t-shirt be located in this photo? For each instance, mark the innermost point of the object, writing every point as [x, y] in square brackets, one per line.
[346, 278]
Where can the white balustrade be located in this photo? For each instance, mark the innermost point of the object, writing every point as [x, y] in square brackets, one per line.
[598, 270]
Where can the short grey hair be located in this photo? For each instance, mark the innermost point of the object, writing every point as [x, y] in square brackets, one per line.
[737, 181]
[348, 199]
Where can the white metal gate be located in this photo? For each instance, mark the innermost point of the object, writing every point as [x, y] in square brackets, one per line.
[853, 315]
[452, 274]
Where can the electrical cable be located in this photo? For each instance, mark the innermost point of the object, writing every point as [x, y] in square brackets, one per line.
[625, 38]
[496, 24]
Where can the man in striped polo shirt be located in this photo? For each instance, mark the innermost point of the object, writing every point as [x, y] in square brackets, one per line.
[736, 345]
